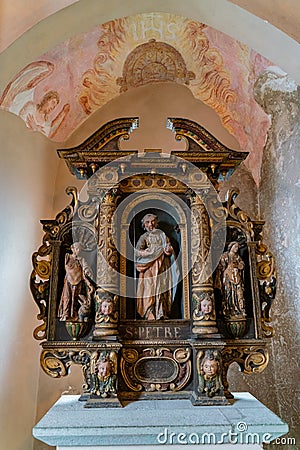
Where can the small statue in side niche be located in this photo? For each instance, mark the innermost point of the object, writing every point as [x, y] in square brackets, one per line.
[209, 374]
[232, 281]
[204, 308]
[104, 374]
[78, 287]
[158, 271]
[106, 307]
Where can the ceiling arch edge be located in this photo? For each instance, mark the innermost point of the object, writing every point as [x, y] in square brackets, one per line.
[239, 24]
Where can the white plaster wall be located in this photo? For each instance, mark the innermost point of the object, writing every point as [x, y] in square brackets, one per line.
[27, 180]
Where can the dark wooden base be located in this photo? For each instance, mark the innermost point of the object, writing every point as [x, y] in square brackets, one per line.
[100, 402]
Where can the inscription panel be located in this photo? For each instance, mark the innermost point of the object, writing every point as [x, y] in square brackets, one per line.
[156, 370]
[138, 330]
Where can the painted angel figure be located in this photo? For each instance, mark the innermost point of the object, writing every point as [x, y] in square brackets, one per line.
[158, 271]
[19, 98]
[37, 116]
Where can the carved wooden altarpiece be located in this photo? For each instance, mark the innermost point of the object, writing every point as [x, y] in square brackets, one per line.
[209, 307]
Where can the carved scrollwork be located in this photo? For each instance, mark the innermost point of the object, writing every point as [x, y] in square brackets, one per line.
[235, 213]
[216, 211]
[128, 360]
[55, 363]
[266, 274]
[251, 359]
[88, 212]
[256, 360]
[68, 213]
[40, 293]
[39, 285]
[182, 355]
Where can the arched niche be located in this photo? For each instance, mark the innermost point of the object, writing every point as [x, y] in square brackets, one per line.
[173, 218]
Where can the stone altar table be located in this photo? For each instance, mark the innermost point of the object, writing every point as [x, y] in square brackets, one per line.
[153, 423]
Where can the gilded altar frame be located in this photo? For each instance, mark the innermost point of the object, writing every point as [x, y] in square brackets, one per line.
[164, 359]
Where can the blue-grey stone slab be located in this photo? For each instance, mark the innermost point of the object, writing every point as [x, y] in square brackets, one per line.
[157, 422]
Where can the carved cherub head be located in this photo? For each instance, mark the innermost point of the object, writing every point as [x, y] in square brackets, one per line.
[106, 303]
[105, 367]
[205, 303]
[206, 306]
[107, 306]
[210, 365]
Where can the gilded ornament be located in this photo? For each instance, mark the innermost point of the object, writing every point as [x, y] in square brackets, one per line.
[256, 360]
[88, 322]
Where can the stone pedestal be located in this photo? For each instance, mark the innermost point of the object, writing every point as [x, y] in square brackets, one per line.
[151, 423]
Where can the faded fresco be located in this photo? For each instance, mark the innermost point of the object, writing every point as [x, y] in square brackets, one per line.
[56, 93]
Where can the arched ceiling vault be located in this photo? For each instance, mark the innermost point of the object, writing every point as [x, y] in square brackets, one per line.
[56, 92]
[59, 90]
[257, 30]
[283, 15]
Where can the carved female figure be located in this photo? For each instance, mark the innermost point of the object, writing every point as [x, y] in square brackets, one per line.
[78, 287]
[154, 256]
[232, 267]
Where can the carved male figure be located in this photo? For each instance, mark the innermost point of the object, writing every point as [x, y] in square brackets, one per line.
[157, 282]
